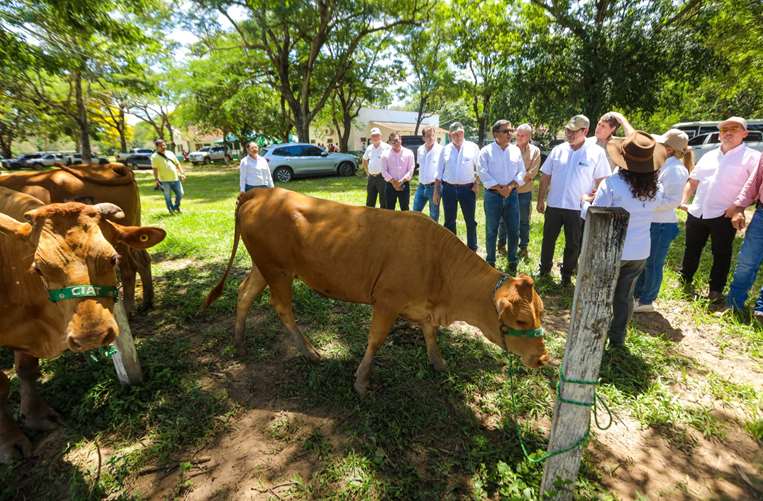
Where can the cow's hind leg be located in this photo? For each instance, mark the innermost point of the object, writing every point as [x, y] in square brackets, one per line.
[281, 299]
[250, 288]
[13, 443]
[35, 413]
[433, 351]
[381, 323]
[127, 274]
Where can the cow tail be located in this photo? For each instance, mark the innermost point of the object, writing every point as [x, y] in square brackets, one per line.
[215, 293]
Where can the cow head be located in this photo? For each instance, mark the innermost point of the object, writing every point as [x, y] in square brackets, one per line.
[519, 313]
[66, 246]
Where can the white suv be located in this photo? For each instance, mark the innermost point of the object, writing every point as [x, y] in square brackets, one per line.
[209, 154]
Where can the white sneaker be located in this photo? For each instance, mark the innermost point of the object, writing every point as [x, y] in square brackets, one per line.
[643, 308]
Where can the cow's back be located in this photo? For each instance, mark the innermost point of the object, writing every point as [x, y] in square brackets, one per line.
[347, 252]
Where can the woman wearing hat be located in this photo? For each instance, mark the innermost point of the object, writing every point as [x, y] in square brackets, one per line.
[673, 175]
[633, 187]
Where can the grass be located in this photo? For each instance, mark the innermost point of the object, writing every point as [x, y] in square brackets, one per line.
[418, 435]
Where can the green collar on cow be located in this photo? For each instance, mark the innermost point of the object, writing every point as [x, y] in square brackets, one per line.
[85, 290]
[510, 331]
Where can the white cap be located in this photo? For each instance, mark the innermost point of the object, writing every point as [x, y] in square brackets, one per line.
[734, 120]
[376, 130]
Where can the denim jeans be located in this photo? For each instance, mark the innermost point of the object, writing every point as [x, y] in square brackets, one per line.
[423, 196]
[622, 303]
[650, 280]
[172, 186]
[496, 209]
[248, 187]
[454, 195]
[748, 263]
[525, 201]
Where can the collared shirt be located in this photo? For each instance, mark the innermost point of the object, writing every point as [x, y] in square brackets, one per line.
[614, 191]
[501, 165]
[166, 166]
[603, 145]
[573, 173]
[673, 176]
[721, 178]
[254, 172]
[428, 160]
[373, 154]
[458, 165]
[753, 188]
[531, 157]
[398, 165]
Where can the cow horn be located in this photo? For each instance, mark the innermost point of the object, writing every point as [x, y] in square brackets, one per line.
[109, 210]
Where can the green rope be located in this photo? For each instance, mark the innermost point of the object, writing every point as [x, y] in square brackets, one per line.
[583, 441]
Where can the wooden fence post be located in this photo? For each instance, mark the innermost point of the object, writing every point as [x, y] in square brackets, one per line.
[125, 359]
[591, 314]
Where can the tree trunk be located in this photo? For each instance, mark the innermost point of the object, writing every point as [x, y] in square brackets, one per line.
[82, 120]
[6, 140]
[420, 115]
[303, 126]
[122, 129]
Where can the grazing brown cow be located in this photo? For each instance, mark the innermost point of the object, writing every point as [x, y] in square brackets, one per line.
[112, 183]
[57, 288]
[401, 263]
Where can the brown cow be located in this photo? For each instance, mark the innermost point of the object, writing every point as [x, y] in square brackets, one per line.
[112, 183]
[57, 287]
[401, 263]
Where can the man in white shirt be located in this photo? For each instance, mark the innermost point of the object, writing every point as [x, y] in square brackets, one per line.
[428, 157]
[456, 182]
[254, 171]
[501, 171]
[572, 169]
[715, 183]
[372, 166]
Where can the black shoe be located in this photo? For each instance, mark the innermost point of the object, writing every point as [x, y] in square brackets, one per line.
[512, 269]
[566, 282]
[523, 254]
[178, 210]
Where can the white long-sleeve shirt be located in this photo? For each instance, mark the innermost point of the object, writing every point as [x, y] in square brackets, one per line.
[254, 172]
[673, 176]
[501, 165]
[458, 165]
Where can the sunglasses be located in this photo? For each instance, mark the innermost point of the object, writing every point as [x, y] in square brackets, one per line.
[506, 131]
[733, 128]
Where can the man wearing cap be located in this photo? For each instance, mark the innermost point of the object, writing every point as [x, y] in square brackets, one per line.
[398, 164]
[501, 171]
[751, 253]
[428, 156]
[456, 182]
[634, 188]
[715, 184]
[572, 169]
[168, 175]
[372, 166]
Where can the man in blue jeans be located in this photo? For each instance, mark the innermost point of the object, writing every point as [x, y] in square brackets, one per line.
[168, 175]
[751, 254]
[457, 184]
[501, 170]
[427, 156]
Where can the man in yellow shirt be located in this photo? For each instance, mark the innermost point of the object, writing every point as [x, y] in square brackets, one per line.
[168, 174]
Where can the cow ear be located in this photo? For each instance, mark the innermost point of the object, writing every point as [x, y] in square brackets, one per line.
[503, 304]
[137, 237]
[14, 228]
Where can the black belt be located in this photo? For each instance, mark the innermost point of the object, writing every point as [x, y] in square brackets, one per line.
[426, 184]
[759, 205]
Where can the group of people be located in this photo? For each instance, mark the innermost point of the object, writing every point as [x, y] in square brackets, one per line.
[649, 176]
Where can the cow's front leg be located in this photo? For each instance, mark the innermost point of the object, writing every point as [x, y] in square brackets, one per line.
[143, 263]
[127, 274]
[281, 299]
[381, 323]
[433, 351]
[35, 413]
[13, 443]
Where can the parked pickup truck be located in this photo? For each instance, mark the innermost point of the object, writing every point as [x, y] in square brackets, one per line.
[123, 157]
[703, 143]
[209, 154]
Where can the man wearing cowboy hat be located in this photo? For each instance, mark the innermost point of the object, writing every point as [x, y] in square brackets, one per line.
[571, 170]
[634, 188]
[715, 184]
[372, 166]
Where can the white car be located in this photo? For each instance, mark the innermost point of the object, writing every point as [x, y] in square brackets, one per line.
[703, 143]
[291, 160]
[210, 154]
[123, 157]
[46, 160]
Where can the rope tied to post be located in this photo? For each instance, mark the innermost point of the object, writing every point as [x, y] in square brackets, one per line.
[580, 443]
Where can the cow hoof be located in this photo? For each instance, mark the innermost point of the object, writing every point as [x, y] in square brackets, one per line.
[311, 354]
[439, 365]
[361, 388]
[46, 419]
[14, 447]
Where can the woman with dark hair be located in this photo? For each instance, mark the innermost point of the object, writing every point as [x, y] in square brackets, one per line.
[633, 187]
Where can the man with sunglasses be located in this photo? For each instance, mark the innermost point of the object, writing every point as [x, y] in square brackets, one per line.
[501, 171]
[398, 165]
[715, 183]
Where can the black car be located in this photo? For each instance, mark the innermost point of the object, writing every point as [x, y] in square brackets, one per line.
[138, 161]
[23, 160]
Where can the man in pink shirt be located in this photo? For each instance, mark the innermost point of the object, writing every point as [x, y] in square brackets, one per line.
[751, 253]
[397, 169]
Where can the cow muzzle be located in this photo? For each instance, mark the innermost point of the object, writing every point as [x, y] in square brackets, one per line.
[91, 341]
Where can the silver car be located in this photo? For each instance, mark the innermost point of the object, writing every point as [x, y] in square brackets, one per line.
[291, 160]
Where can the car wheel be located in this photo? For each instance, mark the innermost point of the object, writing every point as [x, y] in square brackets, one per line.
[346, 169]
[283, 174]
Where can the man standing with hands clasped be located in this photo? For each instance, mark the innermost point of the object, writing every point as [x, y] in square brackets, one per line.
[168, 175]
[397, 170]
[372, 165]
[501, 171]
